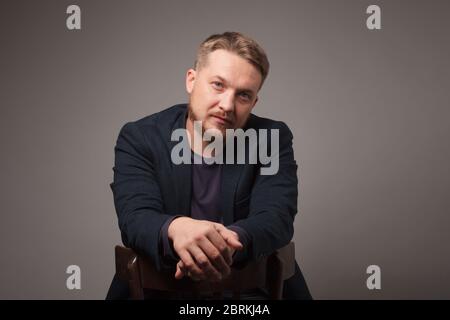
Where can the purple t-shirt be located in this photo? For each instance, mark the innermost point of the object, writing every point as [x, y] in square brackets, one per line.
[205, 200]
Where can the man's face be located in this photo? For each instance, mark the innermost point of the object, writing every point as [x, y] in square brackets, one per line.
[223, 92]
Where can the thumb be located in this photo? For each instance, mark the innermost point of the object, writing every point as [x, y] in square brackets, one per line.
[229, 236]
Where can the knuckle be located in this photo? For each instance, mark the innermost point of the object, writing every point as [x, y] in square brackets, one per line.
[203, 262]
[198, 237]
[215, 256]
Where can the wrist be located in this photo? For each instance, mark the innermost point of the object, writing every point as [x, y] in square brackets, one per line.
[171, 230]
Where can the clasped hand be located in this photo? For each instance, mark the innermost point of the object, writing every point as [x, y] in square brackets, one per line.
[205, 248]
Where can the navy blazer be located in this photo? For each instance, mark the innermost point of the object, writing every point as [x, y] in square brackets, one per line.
[148, 189]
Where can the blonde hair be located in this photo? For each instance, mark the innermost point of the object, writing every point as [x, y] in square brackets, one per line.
[237, 43]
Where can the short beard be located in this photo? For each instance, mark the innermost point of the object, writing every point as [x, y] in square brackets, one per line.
[191, 114]
[193, 117]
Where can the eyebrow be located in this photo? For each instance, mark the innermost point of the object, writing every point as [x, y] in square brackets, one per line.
[240, 90]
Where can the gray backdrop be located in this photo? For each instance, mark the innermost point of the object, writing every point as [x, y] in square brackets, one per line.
[369, 111]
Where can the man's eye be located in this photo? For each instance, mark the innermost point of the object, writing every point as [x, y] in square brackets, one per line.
[217, 85]
[245, 96]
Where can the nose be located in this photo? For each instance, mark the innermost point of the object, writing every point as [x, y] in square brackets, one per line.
[227, 102]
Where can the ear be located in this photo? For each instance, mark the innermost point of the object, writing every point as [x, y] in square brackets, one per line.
[190, 80]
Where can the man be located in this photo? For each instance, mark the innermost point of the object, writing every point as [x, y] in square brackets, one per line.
[202, 219]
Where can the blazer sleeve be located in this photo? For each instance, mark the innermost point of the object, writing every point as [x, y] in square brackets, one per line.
[137, 196]
[273, 201]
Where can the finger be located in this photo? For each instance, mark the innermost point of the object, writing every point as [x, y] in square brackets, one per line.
[202, 261]
[182, 272]
[183, 267]
[190, 265]
[179, 274]
[220, 244]
[215, 257]
[229, 236]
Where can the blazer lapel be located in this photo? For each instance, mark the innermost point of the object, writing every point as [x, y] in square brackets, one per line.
[183, 188]
[182, 174]
[230, 179]
[231, 174]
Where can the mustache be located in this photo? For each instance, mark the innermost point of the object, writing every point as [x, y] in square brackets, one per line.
[227, 118]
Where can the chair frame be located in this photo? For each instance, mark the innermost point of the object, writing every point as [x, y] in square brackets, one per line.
[268, 272]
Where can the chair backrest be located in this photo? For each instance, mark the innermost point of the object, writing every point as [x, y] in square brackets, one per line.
[268, 272]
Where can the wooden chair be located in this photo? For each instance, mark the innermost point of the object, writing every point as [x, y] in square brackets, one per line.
[268, 272]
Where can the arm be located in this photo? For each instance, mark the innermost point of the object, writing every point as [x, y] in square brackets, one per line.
[273, 202]
[137, 196]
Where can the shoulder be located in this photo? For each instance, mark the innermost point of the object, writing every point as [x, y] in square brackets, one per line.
[256, 122]
[165, 118]
[156, 124]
